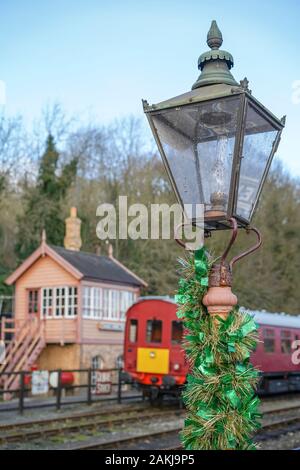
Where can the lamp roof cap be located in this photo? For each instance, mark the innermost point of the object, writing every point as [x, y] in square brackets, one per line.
[215, 74]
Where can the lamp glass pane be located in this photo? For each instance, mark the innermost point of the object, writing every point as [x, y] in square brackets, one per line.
[258, 140]
[198, 144]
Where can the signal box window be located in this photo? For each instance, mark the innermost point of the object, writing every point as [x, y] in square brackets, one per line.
[133, 328]
[154, 331]
[269, 340]
[285, 341]
[177, 331]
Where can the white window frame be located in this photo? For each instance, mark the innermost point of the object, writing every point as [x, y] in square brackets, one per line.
[92, 306]
[47, 302]
[109, 310]
[85, 302]
[59, 301]
[104, 303]
[97, 303]
[72, 302]
[115, 315]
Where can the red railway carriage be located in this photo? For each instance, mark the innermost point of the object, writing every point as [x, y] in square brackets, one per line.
[154, 359]
[277, 353]
[153, 354]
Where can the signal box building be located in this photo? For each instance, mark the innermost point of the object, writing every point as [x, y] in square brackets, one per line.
[69, 307]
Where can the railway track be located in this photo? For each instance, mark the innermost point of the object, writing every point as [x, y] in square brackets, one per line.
[172, 433]
[274, 429]
[84, 422]
[278, 427]
[110, 419]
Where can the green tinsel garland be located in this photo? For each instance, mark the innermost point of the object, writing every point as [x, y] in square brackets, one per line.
[222, 409]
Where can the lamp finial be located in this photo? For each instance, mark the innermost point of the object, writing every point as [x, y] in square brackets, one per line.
[214, 36]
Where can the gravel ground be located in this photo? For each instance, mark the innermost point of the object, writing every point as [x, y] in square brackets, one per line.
[288, 441]
[272, 403]
[47, 413]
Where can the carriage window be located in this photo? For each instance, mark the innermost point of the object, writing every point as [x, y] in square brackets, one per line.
[177, 331]
[285, 341]
[154, 331]
[269, 340]
[133, 327]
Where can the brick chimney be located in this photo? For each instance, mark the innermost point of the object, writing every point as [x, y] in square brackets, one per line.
[72, 240]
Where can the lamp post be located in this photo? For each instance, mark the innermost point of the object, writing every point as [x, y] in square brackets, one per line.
[217, 143]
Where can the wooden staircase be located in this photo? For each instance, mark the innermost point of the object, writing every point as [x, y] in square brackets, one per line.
[22, 351]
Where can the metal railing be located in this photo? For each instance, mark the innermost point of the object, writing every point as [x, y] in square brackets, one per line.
[22, 398]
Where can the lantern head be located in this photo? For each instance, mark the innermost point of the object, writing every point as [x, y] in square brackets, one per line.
[216, 141]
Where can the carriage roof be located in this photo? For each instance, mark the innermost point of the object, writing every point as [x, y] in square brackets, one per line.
[261, 317]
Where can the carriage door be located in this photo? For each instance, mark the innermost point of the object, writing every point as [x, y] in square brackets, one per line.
[131, 339]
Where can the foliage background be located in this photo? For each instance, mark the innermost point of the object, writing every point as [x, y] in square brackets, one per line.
[61, 162]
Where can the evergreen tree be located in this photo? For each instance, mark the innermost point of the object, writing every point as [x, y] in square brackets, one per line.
[44, 202]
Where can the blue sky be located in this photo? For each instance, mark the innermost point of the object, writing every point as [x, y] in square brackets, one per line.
[99, 58]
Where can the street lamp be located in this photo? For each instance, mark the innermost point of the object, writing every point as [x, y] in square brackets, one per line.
[217, 143]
